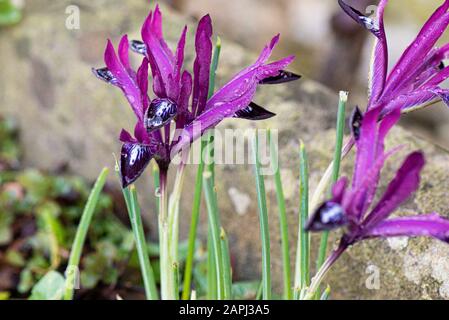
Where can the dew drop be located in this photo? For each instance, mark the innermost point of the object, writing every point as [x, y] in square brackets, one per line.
[157, 192]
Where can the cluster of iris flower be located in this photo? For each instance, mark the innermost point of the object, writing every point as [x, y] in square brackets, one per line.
[414, 80]
[177, 95]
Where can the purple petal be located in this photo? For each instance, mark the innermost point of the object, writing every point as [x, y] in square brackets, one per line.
[357, 202]
[133, 161]
[432, 65]
[360, 18]
[443, 94]
[142, 82]
[156, 45]
[282, 77]
[366, 147]
[123, 53]
[418, 50]
[184, 98]
[124, 79]
[409, 100]
[339, 189]
[126, 137]
[441, 76]
[400, 188]
[431, 225]
[254, 112]
[201, 67]
[328, 216]
[159, 86]
[380, 62]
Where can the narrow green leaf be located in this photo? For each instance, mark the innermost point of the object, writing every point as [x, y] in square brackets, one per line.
[132, 203]
[81, 232]
[302, 272]
[212, 284]
[263, 220]
[193, 227]
[213, 216]
[226, 261]
[282, 218]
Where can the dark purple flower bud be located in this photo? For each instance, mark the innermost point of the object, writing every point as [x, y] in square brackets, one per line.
[282, 77]
[356, 122]
[133, 161]
[159, 113]
[138, 46]
[254, 112]
[328, 216]
[104, 74]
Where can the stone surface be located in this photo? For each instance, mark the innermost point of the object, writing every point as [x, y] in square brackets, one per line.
[69, 118]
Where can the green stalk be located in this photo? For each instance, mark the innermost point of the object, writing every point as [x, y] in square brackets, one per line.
[226, 261]
[132, 203]
[212, 284]
[282, 218]
[336, 167]
[302, 272]
[156, 183]
[263, 217]
[198, 188]
[81, 232]
[193, 227]
[213, 216]
[166, 264]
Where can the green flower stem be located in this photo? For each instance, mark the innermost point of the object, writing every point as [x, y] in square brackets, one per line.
[263, 217]
[282, 218]
[336, 166]
[166, 264]
[214, 223]
[302, 272]
[81, 232]
[193, 227]
[212, 284]
[132, 203]
[226, 261]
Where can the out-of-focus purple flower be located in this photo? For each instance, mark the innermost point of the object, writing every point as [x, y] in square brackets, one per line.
[352, 206]
[416, 77]
[178, 96]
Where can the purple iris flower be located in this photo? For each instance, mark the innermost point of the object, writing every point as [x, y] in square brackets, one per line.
[416, 77]
[178, 96]
[352, 206]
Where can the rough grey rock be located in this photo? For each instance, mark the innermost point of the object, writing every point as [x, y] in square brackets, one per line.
[68, 117]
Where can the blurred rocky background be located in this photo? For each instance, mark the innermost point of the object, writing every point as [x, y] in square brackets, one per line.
[61, 122]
